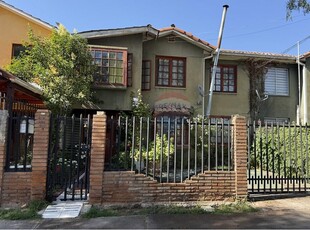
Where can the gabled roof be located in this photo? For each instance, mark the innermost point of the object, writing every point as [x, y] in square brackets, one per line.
[119, 32]
[25, 15]
[186, 36]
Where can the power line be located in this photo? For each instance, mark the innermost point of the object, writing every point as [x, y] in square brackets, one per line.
[261, 31]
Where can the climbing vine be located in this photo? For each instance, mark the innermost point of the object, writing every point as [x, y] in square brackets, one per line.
[257, 70]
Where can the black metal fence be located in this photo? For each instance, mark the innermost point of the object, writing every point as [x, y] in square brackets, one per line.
[20, 133]
[278, 160]
[69, 158]
[169, 149]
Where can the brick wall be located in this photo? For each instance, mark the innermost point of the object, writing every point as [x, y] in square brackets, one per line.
[3, 136]
[128, 187]
[16, 189]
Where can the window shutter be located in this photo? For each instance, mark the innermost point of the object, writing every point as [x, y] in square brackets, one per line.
[276, 82]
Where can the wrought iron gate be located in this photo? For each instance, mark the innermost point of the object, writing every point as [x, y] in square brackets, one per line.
[278, 158]
[69, 158]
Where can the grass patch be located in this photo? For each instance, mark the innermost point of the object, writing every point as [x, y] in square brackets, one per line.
[126, 211]
[29, 212]
[237, 207]
[99, 212]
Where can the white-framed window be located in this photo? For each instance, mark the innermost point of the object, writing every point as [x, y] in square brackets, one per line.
[276, 82]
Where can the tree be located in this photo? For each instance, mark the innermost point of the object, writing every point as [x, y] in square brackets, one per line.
[297, 5]
[61, 65]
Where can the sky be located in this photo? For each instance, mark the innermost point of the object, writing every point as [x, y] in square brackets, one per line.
[251, 25]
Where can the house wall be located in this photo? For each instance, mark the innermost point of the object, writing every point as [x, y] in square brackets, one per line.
[194, 63]
[119, 99]
[283, 106]
[14, 30]
[226, 104]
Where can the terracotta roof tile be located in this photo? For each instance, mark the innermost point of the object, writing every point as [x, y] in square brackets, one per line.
[190, 35]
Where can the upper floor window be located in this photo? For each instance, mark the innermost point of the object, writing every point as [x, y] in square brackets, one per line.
[146, 75]
[17, 49]
[226, 79]
[112, 66]
[276, 82]
[170, 71]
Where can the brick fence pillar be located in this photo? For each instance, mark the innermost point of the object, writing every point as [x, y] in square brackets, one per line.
[40, 154]
[3, 140]
[97, 158]
[240, 155]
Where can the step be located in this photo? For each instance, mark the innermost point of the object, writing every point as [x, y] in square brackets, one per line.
[63, 210]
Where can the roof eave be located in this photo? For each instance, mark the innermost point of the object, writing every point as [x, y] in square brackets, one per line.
[119, 32]
[244, 55]
[20, 82]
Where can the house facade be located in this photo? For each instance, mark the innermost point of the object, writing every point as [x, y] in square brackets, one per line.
[172, 68]
[15, 25]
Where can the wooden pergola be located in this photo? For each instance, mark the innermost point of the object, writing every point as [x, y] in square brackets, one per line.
[17, 95]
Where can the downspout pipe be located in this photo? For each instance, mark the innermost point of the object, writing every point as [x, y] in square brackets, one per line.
[217, 52]
[304, 91]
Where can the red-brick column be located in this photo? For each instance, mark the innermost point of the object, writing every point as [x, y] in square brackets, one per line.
[240, 155]
[3, 140]
[97, 158]
[40, 154]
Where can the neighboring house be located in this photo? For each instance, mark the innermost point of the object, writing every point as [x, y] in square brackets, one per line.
[18, 96]
[173, 69]
[15, 25]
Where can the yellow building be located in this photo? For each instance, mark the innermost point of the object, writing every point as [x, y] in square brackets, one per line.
[14, 28]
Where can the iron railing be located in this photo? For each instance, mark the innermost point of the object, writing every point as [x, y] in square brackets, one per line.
[278, 158]
[169, 149]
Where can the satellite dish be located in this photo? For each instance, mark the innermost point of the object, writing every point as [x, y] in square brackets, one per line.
[200, 90]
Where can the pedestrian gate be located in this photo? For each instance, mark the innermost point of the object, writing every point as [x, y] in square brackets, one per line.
[69, 158]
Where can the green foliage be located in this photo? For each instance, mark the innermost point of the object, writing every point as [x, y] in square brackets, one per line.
[236, 207]
[292, 5]
[139, 108]
[282, 148]
[29, 212]
[95, 211]
[61, 65]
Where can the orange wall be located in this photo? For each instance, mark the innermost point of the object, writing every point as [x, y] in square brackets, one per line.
[14, 30]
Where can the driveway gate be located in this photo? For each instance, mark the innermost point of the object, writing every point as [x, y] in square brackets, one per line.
[69, 158]
[278, 158]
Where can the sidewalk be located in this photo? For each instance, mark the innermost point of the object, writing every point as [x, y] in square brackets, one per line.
[277, 214]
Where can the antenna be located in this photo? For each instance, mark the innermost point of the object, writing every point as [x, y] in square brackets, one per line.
[261, 99]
